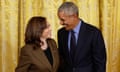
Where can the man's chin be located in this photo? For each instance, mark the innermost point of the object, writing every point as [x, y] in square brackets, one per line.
[66, 28]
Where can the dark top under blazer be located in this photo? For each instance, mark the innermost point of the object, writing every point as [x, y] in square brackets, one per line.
[90, 53]
[49, 55]
[34, 60]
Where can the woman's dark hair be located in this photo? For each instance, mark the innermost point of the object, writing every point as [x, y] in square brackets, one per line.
[34, 30]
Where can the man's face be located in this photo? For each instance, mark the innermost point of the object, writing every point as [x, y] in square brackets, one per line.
[67, 20]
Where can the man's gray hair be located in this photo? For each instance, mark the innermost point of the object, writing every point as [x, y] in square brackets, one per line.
[68, 8]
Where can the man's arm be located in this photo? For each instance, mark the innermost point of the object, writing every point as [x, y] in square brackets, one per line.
[99, 52]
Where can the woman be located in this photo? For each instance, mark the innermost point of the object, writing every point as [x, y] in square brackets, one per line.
[40, 52]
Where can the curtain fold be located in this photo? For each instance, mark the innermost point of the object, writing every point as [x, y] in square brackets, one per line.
[8, 35]
[14, 15]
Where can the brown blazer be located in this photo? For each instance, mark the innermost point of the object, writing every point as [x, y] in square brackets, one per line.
[34, 60]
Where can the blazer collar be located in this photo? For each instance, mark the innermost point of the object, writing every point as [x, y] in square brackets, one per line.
[41, 57]
[53, 52]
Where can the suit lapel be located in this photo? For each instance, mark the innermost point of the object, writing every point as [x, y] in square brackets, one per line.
[80, 41]
[81, 35]
[68, 58]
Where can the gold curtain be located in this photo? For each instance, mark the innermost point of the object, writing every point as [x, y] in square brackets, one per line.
[14, 15]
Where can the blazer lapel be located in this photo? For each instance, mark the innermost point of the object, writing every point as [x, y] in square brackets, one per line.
[53, 52]
[41, 57]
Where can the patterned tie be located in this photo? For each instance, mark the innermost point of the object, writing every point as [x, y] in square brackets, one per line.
[72, 45]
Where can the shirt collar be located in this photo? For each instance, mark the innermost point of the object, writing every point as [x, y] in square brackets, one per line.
[77, 28]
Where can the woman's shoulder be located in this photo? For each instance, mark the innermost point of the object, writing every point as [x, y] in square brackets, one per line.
[27, 47]
[50, 40]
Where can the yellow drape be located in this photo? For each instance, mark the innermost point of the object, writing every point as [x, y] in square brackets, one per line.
[14, 15]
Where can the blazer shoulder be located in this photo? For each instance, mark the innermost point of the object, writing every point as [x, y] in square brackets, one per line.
[27, 48]
[52, 42]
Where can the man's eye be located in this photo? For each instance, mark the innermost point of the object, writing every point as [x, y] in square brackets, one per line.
[62, 19]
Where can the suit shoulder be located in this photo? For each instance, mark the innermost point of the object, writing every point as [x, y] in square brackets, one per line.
[61, 30]
[91, 27]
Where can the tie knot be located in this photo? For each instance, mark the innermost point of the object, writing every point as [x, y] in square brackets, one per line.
[72, 31]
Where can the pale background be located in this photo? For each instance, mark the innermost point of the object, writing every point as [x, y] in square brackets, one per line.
[14, 15]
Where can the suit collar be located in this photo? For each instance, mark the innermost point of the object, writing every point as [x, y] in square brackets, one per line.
[81, 39]
[80, 42]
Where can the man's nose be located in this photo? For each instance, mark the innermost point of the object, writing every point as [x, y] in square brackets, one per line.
[61, 22]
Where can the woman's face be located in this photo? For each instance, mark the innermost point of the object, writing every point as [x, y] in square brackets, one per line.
[47, 32]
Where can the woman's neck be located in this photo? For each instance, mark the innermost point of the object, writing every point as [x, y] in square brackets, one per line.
[43, 44]
[43, 39]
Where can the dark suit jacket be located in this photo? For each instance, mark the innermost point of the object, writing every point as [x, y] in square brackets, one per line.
[90, 53]
[34, 60]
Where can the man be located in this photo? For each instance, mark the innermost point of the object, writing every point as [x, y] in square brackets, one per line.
[81, 45]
